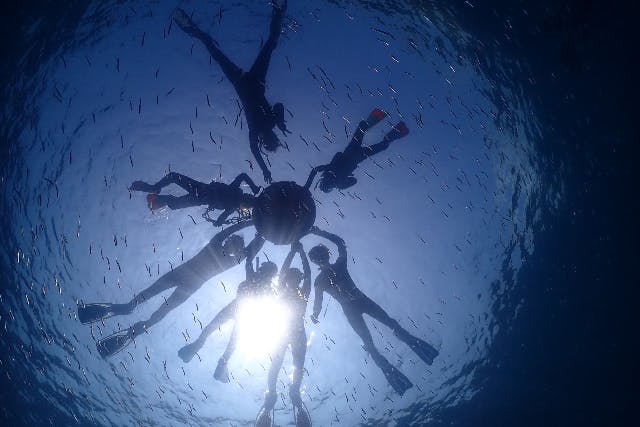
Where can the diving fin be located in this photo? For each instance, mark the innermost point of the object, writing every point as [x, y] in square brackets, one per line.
[90, 313]
[375, 116]
[114, 343]
[423, 350]
[397, 380]
[222, 372]
[398, 131]
[301, 416]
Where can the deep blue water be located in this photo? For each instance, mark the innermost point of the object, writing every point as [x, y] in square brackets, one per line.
[510, 245]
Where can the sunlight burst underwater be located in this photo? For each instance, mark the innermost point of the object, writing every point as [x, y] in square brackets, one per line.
[430, 225]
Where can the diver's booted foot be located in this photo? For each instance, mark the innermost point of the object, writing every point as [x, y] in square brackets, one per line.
[397, 380]
[187, 352]
[114, 343]
[155, 202]
[376, 116]
[182, 19]
[222, 372]
[301, 416]
[399, 131]
[264, 418]
[143, 186]
[90, 313]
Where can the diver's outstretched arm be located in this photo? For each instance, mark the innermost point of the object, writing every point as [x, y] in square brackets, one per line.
[306, 285]
[243, 177]
[313, 174]
[188, 184]
[251, 251]
[286, 264]
[255, 150]
[317, 304]
[261, 64]
[342, 247]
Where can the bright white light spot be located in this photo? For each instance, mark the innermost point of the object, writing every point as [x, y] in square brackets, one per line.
[262, 323]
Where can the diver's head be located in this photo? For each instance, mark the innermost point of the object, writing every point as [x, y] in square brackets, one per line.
[293, 277]
[267, 270]
[270, 140]
[327, 182]
[319, 255]
[234, 245]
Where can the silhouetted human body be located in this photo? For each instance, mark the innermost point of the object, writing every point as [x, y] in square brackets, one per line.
[295, 335]
[256, 283]
[224, 251]
[250, 86]
[336, 281]
[225, 197]
[339, 173]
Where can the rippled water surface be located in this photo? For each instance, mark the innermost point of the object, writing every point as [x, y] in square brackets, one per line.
[438, 226]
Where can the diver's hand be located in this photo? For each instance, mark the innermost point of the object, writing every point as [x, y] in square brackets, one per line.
[143, 186]
[315, 319]
[267, 176]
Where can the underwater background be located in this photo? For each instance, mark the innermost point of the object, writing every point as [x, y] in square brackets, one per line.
[503, 229]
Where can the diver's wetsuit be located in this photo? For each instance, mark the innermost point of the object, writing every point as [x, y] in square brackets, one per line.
[250, 86]
[296, 335]
[337, 282]
[218, 195]
[254, 284]
[343, 164]
[187, 278]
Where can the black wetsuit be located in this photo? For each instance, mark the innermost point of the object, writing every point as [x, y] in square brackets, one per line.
[217, 195]
[337, 282]
[250, 86]
[344, 163]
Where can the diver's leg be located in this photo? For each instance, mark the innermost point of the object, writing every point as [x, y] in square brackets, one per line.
[179, 295]
[222, 371]
[423, 349]
[360, 327]
[231, 346]
[189, 275]
[261, 64]
[243, 177]
[231, 70]
[395, 378]
[370, 307]
[188, 184]
[165, 282]
[277, 357]
[371, 150]
[223, 316]
[298, 354]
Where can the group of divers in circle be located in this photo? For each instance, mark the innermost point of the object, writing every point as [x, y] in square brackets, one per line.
[283, 213]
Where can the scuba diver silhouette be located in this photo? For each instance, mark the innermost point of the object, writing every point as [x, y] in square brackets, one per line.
[218, 195]
[250, 86]
[256, 283]
[336, 281]
[296, 297]
[224, 251]
[339, 173]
